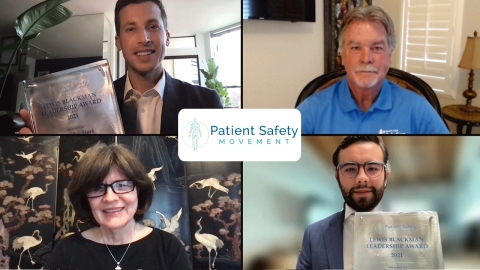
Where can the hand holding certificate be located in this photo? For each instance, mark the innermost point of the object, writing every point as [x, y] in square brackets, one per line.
[80, 100]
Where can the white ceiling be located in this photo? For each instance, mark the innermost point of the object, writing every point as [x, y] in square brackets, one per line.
[185, 18]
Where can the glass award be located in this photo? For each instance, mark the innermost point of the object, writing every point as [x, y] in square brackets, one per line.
[79, 100]
[394, 240]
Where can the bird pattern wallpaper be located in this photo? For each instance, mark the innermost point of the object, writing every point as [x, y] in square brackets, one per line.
[28, 179]
[215, 213]
[198, 202]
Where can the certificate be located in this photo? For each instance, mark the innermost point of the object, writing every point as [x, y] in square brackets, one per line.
[80, 100]
[384, 240]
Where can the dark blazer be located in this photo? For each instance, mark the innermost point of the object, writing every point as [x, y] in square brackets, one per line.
[322, 246]
[178, 95]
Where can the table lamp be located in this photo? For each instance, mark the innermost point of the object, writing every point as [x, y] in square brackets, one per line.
[471, 60]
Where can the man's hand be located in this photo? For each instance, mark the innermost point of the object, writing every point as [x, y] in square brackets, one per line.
[26, 119]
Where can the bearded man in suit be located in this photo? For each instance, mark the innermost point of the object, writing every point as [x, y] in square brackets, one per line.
[361, 172]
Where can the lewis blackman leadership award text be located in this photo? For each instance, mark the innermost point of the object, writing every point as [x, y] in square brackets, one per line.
[80, 100]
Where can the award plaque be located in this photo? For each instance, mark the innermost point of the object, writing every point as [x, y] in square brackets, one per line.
[80, 100]
[385, 240]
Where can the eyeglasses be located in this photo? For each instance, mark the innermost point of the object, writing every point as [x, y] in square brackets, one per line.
[118, 187]
[372, 169]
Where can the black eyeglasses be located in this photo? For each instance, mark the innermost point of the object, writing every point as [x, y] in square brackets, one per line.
[119, 187]
[372, 168]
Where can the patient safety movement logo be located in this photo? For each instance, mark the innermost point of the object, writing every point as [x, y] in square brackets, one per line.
[195, 134]
[239, 135]
[379, 228]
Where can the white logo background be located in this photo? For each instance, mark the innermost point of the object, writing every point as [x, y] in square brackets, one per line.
[241, 135]
[188, 137]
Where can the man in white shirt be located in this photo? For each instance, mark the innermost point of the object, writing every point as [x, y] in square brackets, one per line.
[149, 99]
[362, 175]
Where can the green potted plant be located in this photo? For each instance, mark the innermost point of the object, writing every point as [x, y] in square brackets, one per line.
[212, 82]
[30, 24]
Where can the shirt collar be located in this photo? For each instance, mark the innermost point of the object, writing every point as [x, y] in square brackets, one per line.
[159, 87]
[347, 103]
[349, 210]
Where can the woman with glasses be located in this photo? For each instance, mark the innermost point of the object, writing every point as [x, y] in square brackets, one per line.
[111, 191]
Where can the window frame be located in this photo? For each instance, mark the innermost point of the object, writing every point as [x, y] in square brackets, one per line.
[454, 53]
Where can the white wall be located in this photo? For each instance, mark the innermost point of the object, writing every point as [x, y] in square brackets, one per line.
[394, 9]
[279, 59]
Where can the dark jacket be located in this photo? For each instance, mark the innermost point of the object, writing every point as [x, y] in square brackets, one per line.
[178, 95]
[322, 246]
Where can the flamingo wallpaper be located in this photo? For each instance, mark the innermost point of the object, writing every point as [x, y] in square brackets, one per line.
[36, 212]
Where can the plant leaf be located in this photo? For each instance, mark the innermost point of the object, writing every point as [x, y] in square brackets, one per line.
[41, 16]
[211, 65]
[206, 74]
[210, 85]
[214, 73]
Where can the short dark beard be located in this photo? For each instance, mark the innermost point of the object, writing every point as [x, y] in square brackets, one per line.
[363, 204]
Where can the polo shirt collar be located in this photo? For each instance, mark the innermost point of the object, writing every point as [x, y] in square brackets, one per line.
[347, 103]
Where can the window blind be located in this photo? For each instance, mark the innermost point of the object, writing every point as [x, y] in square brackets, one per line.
[429, 41]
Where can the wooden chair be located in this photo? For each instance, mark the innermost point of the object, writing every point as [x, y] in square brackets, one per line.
[401, 78]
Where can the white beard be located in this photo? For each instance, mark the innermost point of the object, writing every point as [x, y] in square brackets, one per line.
[364, 84]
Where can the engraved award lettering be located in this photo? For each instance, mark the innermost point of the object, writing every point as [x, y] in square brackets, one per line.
[385, 240]
[80, 100]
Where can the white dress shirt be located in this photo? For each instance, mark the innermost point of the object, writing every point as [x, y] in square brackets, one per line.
[348, 232]
[147, 106]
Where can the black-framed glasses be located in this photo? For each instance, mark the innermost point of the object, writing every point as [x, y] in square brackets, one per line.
[118, 187]
[371, 168]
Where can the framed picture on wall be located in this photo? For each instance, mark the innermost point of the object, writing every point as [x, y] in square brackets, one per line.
[7, 54]
[335, 10]
[22, 61]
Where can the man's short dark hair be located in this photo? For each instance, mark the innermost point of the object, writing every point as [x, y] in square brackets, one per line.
[92, 169]
[123, 3]
[349, 140]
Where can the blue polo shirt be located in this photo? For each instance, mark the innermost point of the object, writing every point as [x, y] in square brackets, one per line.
[396, 111]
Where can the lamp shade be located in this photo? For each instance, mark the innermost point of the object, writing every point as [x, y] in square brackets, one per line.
[471, 55]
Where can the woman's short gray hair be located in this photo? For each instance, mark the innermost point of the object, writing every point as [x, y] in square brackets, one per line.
[372, 14]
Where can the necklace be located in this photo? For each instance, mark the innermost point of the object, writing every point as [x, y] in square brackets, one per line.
[118, 263]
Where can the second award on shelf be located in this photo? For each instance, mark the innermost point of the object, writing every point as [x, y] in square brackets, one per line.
[80, 100]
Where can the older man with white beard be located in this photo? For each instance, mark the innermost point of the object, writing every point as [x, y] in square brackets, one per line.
[364, 101]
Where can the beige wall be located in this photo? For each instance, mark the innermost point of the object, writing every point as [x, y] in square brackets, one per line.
[280, 58]
[469, 22]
